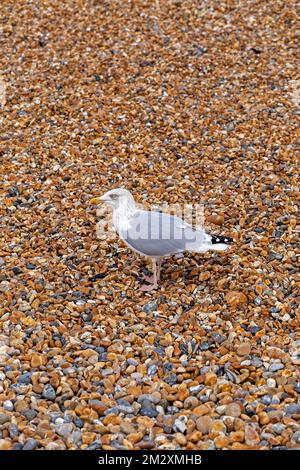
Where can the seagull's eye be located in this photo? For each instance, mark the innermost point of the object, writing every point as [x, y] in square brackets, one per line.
[114, 197]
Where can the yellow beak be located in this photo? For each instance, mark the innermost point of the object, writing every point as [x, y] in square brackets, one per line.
[96, 200]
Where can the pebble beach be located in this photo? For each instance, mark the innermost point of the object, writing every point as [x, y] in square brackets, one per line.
[181, 102]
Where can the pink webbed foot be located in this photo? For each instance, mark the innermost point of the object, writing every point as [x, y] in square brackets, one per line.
[149, 278]
[148, 287]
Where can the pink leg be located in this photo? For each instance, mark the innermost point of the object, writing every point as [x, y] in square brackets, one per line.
[154, 279]
[148, 278]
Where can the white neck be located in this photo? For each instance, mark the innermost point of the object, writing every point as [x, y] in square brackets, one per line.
[122, 213]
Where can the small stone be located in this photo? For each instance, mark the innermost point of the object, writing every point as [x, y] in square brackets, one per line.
[8, 405]
[49, 392]
[297, 387]
[64, 429]
[233, 409]
[235, 298]
[29, 413]
[237, 436]
[98, 406]
[5, 444]
[58, 445]
[150, 307]
[204, 424]
[275, 416]
[30, 266]
[4, 418]
[244, 349]
[30, 444]
[296, 438]
[88, 437]
[221, 409]
[216, 219]
[266, 400]
[195, 437]
[263, 418]
[13, 430]
[149, 410]
[37, 360]
[218, 426]
[251, 435]
[271, 383]
[180, 424]
[278, 428]
[97, 444]
[25, 378]
[201, 410]
[218, 338]
[16, 270]
[293, 409]
[254, 329]
[221, 441]
[180, 439]
[152, 369]
[210, 378]
[127, 427]
[276, 367]
[135, 437]
[146, 444]
[190, 403]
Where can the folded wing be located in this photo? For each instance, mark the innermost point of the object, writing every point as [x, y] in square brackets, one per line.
[157, 234]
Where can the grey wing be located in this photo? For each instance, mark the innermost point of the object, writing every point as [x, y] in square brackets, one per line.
[157, 233]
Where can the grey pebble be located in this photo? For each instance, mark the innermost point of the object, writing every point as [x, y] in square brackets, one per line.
[4, 418]
[152, 369]
[266, 399]
[293, 409]
[296, 437]
[49, 392]
[95, 445]
[171, 379]
[132, 362]
[29, 413]
[217, 337]
[8, 405]
[150, 307]
[25, 378]
[278, 428]
[18, 446]
[30, 444]
[64, 429]
[297, 387]
[76, 436]
[125, 409]
[13, 430]
[275, 367]
[149, 411]
[148, 397]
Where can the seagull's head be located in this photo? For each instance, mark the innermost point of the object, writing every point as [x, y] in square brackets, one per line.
[115, 198]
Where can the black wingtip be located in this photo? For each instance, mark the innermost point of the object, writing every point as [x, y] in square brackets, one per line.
[220, 239]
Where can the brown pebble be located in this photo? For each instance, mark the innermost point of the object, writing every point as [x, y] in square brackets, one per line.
[5, 444]
[180, 438]
[204, 424]
[235, 298]
[251, 435]
[190, 403]
[201, 410]
[233, 409]
[244, 349]
[195, 436]
[221, 441]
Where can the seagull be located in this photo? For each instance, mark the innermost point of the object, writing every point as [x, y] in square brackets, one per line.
[156, 234]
